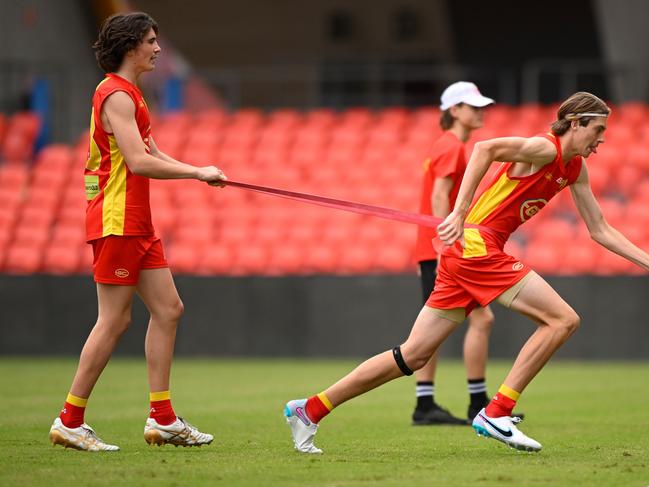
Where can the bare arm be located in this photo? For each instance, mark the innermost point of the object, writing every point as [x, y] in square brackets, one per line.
[536, 151]
[155, 151]
[600, 230]
[119, 114]
[440, 200]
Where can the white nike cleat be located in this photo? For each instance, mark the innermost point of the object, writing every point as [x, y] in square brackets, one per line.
[81, 438]
[180, 432]
[503, 429]
[302, 428]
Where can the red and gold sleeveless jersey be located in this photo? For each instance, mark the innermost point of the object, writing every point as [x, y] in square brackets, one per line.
[447, 159]
[510, 201]
[118, 200]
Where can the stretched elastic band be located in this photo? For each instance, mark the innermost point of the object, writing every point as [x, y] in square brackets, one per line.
[363, 209]
[398, 358]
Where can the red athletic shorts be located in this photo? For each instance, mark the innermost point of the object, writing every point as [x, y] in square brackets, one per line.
[467, 282]
[119, 259]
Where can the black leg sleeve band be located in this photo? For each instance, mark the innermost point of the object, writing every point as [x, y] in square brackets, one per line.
[398, 358]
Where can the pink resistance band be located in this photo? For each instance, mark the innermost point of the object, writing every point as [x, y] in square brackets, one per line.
[379, 211]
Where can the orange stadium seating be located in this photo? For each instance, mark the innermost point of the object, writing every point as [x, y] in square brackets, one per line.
[358, 154]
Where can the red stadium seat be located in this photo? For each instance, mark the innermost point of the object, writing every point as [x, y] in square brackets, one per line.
[23, 258]
[545, 259]
[580, 258]
[61, 259]
[69, 234]
[17, 147]
[286, 258]
[250, 259]
[213, 118]
[216, 259]
[183, 258]
[322, 118]
[632, 114]
[25, 123]
[321, 258]
[392, 259]
[355, 259]
[57, 157]
[13, 175]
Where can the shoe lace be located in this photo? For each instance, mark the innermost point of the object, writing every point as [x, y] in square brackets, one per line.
[191, 428]
[516, 419]
[90, 434]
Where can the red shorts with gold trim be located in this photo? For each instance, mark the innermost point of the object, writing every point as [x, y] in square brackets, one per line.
[469, 277]
[119, 259]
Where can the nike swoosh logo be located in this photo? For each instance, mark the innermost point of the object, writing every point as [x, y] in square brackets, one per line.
[299, 412]
[507, 433]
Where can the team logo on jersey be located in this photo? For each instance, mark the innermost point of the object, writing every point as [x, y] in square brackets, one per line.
[517, 266]
[121, 273]
[529, 208]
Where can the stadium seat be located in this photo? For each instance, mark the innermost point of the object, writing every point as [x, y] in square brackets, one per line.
[580, 258]
[57, 157]
[631, 114]
[545, 259]
[250, 259]
[25, 123]
[356, 259]
[61, 259]
[23, 258]
[392, 259]
[13, 175]
[286, 257]
[68, 233]
[321, 258]
[216, 260]
[17, 147]
[183, 258]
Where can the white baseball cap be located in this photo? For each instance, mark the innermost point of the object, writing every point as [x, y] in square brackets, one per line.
[463, 92]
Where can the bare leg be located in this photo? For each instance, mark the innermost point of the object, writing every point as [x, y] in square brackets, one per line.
[114, 317]
[158, 292]
[427, 372]
[427, 334]
[476, 342]
[556, 320]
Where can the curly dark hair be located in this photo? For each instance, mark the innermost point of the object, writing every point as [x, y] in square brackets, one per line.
[119, 34]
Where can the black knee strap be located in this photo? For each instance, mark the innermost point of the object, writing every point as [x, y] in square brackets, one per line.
[398, 358]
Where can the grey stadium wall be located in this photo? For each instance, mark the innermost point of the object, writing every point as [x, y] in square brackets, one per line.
[318, 316]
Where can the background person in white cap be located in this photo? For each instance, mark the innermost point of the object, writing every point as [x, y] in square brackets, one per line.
[463, 108]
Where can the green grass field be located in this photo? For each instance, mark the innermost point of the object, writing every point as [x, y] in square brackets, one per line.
[592, 419]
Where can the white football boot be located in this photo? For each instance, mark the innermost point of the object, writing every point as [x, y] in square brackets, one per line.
[180, 432]
[81, 438]
[504, 429]
[302, 428]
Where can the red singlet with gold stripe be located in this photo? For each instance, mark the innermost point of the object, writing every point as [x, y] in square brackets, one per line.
[510, 201]
[118, 200]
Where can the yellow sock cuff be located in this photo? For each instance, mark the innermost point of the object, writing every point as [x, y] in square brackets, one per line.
[159, 396]
[80, 402]
[509, 392]
[325, 400]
